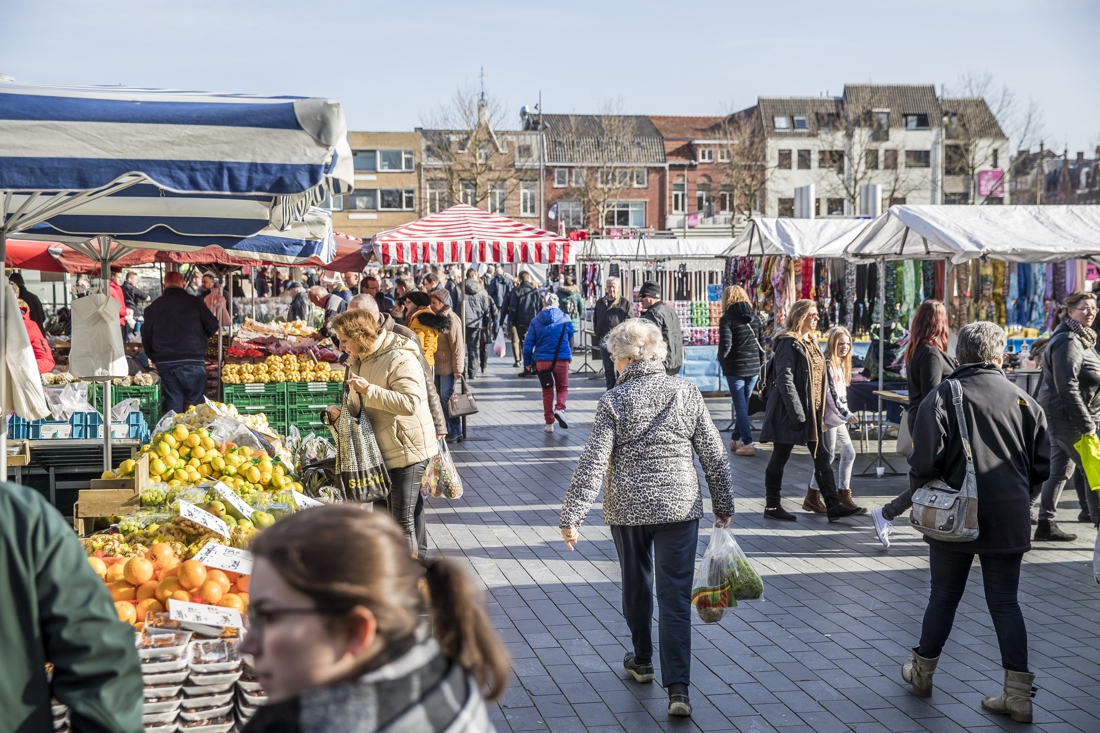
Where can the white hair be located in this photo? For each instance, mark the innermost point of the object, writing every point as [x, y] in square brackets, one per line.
[636, 339]
[979, 342]
[363, 301]
[611, 281]
[550, 301]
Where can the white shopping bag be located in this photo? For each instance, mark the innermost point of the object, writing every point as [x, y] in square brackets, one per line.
[499, 343]
[97, 350]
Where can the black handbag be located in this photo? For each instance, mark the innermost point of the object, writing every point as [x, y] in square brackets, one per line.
[546, 376]
[360, 470]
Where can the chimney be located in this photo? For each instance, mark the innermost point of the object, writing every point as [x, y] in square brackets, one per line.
[1041, 147]
[1080, 157]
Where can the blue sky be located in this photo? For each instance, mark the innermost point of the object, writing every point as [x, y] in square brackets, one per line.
[390, 63]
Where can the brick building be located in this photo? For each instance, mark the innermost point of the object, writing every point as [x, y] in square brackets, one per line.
[386, 183]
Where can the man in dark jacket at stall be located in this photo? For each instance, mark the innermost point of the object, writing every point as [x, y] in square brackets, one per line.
[56, 610]
[1011, 457]
[524, 303]
[655, 310]
[610, 310]
[300, 306]
[175, 335]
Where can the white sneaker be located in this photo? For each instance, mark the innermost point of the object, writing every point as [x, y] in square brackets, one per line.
[559, 415]
[883, 527]
[548, 429]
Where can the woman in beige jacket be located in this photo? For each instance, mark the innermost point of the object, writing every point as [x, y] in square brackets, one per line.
[386, 382]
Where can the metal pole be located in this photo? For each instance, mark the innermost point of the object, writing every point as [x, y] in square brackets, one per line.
[3, 341]
[542, 171]
[105, 284]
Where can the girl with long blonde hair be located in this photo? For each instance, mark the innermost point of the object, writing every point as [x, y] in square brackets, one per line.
[838, 375]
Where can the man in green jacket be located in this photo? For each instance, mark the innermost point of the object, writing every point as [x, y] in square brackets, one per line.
[54, 609]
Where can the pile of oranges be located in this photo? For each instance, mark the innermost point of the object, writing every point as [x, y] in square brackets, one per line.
[140, 585]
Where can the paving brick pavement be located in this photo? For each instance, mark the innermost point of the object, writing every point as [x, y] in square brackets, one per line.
[820, 652]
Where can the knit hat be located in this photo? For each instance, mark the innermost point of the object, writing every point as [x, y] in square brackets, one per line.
[442, 295]
[419, 299]
[649, 289]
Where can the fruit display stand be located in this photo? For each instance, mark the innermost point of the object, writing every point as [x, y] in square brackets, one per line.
[113, 496]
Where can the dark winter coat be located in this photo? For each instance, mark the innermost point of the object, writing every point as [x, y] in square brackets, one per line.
[177, 327]
[1008, 437]
[524, 303]
[789, 416]
[1071, 382]
[479, 306]
[570, 296]
[606, 316]
[927, 367]
[740, 341]
[300, 308]
[499, 288]
[669, 323]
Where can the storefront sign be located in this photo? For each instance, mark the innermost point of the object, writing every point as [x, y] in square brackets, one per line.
[991, 183]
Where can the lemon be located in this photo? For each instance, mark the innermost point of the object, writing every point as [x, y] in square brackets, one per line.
[106, 475]
[194, 463]
[156, 466]
[175, 482]
[180, 475]
[181, 432]
[218, 464]
[171, 441]
[208, 444]
[229, 471]
[276, 482]
[126, 467]
[232, 459]
[198, 451]
[203, 433]
[163, 449]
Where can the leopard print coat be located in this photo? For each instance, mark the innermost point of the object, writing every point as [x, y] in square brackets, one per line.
[646, 432]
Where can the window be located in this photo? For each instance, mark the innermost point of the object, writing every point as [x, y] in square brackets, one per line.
[626, 214]
[801, 123]
[365, 199]
[483, 154]
[437, 197]
[333, 203]
[570, 214]
[528, 199]
[951, 126]
[918, 158]
[725, 197]
[897, 201]
[468, 192]
[826, 121]
[831, 159]
[622, 178]
[641, 177]
[786, 207]
[524, 151]
[604, 179]
[785, 159]
[956, 199]
[679, 197]
[561, 177]
[578, 178]
[706, 155]
[498, 195]
[870, 160]
[702, 196]
[395, 160]
[954, 161]
[916, 122]
[890, 160]
[396, 199]
[725, 155]
[781, 122]
[995, 159]
[803, 160]
[364, 160]
[995, 200]
[880, 126]
[834, 207]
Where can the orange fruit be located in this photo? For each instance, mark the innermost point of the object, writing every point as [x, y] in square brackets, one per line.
[115, 573]
[192, 574]
[161, 554]
[232, 600]
[243, 581]
[126, 611]
[122, 591]
[147, 590]
[172, 570]
[138, 570]
[166, 588]
[244, 599]
[149, 605]
[220, 578]
[98, 566]
[139, 626]
[179, 595]
[210, 592]
[232, 576]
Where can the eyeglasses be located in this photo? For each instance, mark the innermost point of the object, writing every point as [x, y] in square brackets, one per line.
[259, 618]
[1089, 309]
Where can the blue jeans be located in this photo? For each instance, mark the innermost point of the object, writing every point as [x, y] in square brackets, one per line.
[445, 386]
[740, 391]
[182, 384]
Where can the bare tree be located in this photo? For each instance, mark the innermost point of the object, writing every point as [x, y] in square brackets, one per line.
[744, 154]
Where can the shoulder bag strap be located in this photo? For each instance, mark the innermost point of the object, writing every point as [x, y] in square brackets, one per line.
[557, 351]
[956, 399]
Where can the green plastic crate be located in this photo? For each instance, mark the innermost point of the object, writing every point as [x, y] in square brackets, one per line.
[148, 399]
[266, 397]
[313, 395]
[307, 420]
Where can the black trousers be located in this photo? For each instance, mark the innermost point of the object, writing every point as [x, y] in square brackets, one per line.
[407, 505]
[609, 370]
[673, 545]
[773, 474]
[1001, 577]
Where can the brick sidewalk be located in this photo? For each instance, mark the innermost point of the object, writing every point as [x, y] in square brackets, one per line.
[820, 652]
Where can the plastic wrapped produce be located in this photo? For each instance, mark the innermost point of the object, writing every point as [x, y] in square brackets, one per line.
[724, 577]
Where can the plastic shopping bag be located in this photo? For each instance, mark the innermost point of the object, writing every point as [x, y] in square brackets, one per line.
[1089, 449]
[499, 343]
[723, 578]
[441, 477]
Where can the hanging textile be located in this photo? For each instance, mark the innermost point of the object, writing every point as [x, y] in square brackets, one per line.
[849, 296]
[1082, 274]
[1071, 276]
[961, 299]
[928, 280]
[1000, 293]
[890, 311]
[1040, 298]
[939, 273]
[807, 273]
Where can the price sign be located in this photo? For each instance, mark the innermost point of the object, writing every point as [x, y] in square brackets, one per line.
[231, 496]
[303, 501]
[198, 613]
[225, 558]
[203, 518]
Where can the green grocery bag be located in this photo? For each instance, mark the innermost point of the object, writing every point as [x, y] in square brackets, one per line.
[1089, 449]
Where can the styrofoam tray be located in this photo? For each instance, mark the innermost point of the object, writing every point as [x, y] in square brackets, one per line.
[166, 678]
[161, 705]
[163, 728]
[222, 654]
[221, 725]
[218, 678]
[207, 713]
[207, 701]
[174, 645]
[156, 666]
[158, 718]
[162, 691]
[202, 690]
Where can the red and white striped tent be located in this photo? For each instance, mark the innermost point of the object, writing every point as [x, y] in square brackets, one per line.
[468, 235]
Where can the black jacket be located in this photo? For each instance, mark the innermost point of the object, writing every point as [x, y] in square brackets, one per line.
[133, 295]
[300, 308]
[34, 307]
[499, 288]
[524, 303]
[606, 316]
[927, 367]
[740, 341]
[789, 416]
[177, 327]
[1008, 437]
[669, 323]
[1071, 382]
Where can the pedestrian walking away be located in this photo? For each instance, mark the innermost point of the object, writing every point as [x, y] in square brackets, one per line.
[450, 357]
[175, 334]
[571, 302]
[546, 351]
[645, 436]
[1009, 454]
[524, 303]
[655, 311]
[926, 364]
[479, 315]
[610, 310]
[838, 375]
[740, 355]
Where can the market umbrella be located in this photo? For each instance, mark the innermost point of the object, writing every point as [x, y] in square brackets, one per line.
[468, 235]
[55, 257]
[154, 167]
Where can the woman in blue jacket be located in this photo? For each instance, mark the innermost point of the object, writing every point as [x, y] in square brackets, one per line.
[547, 347]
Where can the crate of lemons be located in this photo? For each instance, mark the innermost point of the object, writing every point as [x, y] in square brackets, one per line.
[286, 368]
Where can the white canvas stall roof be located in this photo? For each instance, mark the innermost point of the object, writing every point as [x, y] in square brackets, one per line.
[961, 233]
[796, 237]
[665, 248]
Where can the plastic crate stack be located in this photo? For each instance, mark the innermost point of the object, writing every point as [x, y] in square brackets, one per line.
[266, 397]
[79, 426]
[305, 403]
[148, 398]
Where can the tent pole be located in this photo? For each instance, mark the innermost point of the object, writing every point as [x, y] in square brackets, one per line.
[105, 276]
[3, 340]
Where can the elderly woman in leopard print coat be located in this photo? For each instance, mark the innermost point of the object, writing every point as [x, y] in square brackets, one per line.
[647, 431]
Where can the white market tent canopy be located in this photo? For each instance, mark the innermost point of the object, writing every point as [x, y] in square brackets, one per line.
[961, 233]
[796, 237]
[666, 248]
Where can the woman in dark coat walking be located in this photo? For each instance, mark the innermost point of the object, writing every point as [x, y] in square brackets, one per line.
[796, 411]
[740, 354]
